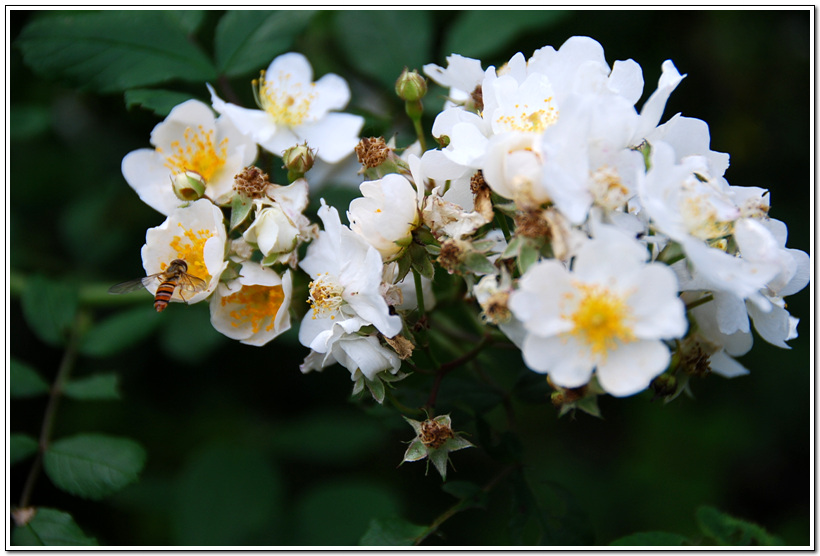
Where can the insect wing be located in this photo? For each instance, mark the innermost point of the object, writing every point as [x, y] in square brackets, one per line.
[134, 285]
[191, 283]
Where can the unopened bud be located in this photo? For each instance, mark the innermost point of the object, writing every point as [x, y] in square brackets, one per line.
[665, 385]
[188, 185]
[410, 86]
[298, 160]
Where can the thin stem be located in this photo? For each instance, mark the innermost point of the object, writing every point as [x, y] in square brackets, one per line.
[458, 506]
[449, 366]
[420, 133]
[699, 302]
[64, 371]
[504, 225]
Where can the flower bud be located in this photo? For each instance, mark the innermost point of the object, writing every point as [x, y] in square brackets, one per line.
[188, 185]
[298, 160]
[410, 86]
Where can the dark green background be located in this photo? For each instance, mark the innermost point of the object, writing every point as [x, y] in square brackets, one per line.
[243, 449]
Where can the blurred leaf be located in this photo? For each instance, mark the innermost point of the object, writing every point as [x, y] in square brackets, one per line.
[320, 437]
[187, 334]
[51, 527]
[28, 121]
[651, 538]
[21, 447]
[123, 330]
[226, 495]
[25, 382]
[391, 531]
[546, 514]
[478, 33]
[470, 493]
[85, 220]
[248, 41]
[158, 101]
[382, 42]
[731, 531]
[115, 50]
[187, 20]
[338, 512]
[49, 308]
[93, 465]
[104, 386]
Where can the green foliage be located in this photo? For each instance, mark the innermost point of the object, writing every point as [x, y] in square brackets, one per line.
[25, 382]
[731, 531]
[338, 512]
[158, 101]
[384, 42]
[321, 437]
[478, 33]
[114, 51]
[51, 527]
[392, 531]
[103, 386]
[49, 308]
[227, 494]
[21, 447]
[247, 41]
[93, 465]
[651, 538]
[121, 331]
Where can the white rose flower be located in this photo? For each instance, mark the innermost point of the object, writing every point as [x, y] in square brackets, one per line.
[294, 110]
[189, 139]
[609, 315]
[253, 308]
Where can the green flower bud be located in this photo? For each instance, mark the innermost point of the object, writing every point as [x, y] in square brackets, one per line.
[188, 185]
[298, 160]
[410, 86]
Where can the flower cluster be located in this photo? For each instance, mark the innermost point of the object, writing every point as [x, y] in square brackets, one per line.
[604, 244]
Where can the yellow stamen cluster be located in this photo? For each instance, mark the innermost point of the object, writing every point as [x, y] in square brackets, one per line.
[325, 296]
[601, 318]
[190, 247]
[198, 152]
[287, 103]
[532, 120]
[255, 304]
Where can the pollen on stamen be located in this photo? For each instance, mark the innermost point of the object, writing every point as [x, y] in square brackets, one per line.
[257, 305]
[198, 151]
[601, 319]
[190, 247]
[325, 296]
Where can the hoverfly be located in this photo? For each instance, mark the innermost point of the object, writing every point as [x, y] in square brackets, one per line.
[175, 275]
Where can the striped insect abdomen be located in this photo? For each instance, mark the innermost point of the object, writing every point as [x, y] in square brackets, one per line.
[164, 293]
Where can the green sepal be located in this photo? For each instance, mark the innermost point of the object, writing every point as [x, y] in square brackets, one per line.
[404, 266]
[527, 256]
[424, 236]
[241, 206]
[420, 261]
[478, 263]
[513, 248]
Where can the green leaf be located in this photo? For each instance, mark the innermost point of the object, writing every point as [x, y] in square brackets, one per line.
[319, 437]
[93, 465]
[29, 121]
[382, 42]
[420, 261]
[527, 257]
[651, 538]
[49, 308]
[241, 206]
[249, 40]
[338, 512]
[391, 531]
[228, 494]
[103, 386]
[21, 447]
[187, 20]
[158, 101]
[115, 50]
[478, 263]
[547, 514]
[121, 331]
[51, 527]
[25, 382]
[187, 334]
[478, 33]
[731, 531]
